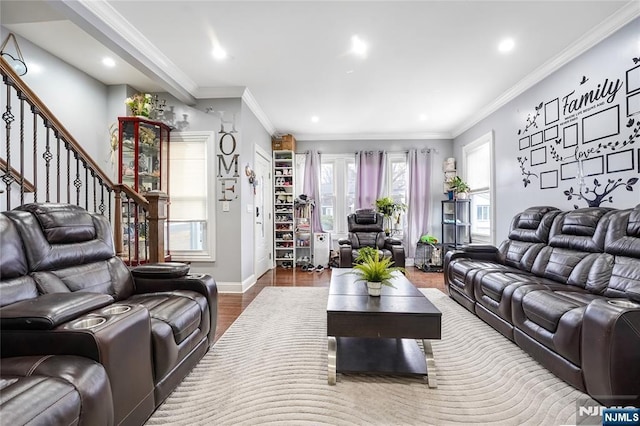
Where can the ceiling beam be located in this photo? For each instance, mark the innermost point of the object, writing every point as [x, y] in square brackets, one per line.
[101, 21]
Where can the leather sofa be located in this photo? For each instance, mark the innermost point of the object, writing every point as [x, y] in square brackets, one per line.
[63, 291]
[54, 390]
[366, 230]
[565, 287]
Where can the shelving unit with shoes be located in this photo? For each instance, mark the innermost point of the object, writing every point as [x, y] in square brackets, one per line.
[284, 214]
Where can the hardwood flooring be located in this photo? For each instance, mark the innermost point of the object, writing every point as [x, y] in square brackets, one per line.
[230, 306]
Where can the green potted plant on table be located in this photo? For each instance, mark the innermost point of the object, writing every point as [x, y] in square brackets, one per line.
[460, 187]
[389, 208]
[376, 270]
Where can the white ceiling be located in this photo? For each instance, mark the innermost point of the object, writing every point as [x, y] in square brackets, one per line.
[433, 58]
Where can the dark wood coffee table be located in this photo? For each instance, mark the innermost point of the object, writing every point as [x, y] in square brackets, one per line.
[378, 334]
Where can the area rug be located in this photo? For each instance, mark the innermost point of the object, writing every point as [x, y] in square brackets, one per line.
[270, 367]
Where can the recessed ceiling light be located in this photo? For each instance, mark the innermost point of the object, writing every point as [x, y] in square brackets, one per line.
[315, 119]
[219, 53]
[423, 117]
[506, 45]
[358, 46]
[108, 62]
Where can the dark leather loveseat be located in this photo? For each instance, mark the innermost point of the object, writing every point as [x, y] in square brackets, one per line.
[565, 287]
[64, 292]
[366, 230]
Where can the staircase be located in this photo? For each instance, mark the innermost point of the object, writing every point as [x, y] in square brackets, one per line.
[40, 161]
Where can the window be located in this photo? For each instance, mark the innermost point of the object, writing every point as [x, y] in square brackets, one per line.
[190, 225]
[396, 185]
[337, 191]
[476, 156]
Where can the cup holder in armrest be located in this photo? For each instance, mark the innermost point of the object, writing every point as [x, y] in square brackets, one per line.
[90, 322]
[116, 309]
[623, 303]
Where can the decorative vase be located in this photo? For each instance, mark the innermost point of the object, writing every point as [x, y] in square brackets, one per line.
[374, 288]
[462, 195]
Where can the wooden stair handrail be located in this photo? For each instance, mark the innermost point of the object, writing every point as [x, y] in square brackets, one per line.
[135, 196]
[28, 186]
[49, 117]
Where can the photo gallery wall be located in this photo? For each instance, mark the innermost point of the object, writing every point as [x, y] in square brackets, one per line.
[596, 123]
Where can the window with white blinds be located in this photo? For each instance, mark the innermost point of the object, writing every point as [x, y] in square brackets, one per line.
[191, 221]
[477, 172]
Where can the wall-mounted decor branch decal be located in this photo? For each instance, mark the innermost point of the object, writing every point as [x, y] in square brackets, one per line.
[527, 174]
[584, 80]
[531, 121]
[636, 60]
[594, 198]
[554, 152]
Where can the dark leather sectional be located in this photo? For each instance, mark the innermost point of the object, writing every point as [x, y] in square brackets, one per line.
[565, 287]
[77, 322]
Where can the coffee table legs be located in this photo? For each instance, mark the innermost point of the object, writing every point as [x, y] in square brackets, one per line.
[431, 364]
[331, 359]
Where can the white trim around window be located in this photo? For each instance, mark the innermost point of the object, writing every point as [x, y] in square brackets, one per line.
[202, 227]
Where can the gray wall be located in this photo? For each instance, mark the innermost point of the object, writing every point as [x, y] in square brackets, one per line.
[228, 266]
[605, 63]
[77, 100]
[443, 148]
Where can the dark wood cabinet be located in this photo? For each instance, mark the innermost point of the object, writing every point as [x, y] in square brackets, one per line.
[143, 165]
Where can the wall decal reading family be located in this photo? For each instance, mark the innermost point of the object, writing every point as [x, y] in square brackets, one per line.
[587, 132]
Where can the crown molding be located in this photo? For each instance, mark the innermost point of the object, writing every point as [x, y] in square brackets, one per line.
[253, 105]
[103, 22]
[220, 92]
[610, 25]
[371, 136]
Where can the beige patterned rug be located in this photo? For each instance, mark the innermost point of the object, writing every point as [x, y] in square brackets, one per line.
[271, 367]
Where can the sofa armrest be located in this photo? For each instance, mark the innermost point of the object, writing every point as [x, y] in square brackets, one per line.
[345, 257]
[344, 241]
[161, 270]
[47, 311]
[611, 350]
[199, 283]
[478, 252]
[392, 242]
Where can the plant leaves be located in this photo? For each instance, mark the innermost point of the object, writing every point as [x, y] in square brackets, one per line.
[632, 181]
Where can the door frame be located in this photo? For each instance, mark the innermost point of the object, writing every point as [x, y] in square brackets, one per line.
[267, 213]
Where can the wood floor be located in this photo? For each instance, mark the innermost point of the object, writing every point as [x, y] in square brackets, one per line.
[230, 306]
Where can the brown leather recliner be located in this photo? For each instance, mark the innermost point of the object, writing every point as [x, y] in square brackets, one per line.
[54, 390]
[366, 230]
[64, 291]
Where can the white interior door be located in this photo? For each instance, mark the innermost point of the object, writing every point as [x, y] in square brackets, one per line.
[263, 217]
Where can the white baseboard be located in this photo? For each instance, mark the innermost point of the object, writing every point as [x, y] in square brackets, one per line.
[236, 287]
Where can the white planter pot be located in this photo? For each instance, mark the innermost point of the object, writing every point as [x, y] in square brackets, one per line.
[462, 195]
[374, 288]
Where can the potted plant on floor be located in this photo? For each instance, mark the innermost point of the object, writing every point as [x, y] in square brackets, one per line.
[376, 270]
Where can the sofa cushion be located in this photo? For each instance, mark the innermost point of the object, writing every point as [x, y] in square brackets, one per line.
[62, 223]
[182, 314]
[554, 318]
[54, 389]
[38, 400]
[581, 230]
